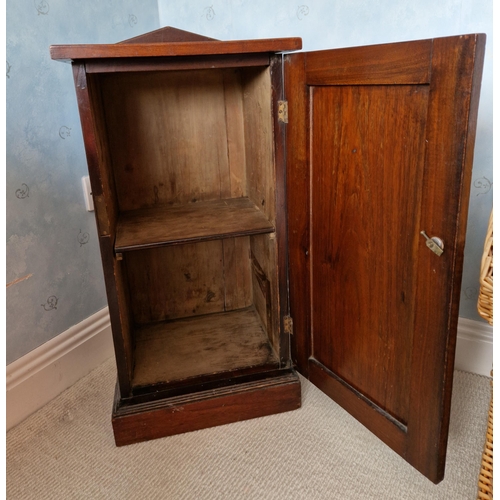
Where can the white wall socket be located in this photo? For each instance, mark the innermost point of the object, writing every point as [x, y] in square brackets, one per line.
[87, 194]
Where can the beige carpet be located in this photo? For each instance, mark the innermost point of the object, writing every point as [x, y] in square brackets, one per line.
[66, 451]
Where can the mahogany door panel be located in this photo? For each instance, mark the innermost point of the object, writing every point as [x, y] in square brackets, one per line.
[381, 139]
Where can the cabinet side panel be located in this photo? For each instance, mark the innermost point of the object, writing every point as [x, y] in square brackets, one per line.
[168, 137]
[95, 140]
[120, 315]
[107, 198]
[237, 274]
[265, 285]
[259, 141]
[96, 149]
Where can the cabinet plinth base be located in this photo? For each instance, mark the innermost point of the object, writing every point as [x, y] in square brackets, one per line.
[133, 423]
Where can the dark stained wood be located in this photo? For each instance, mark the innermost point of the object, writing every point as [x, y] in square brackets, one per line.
[298, 209]
[105, 212]
[364, 271]
[279, 132]
[176, 63]
[389, 64]
[119, 313]
[132, 424]
[191, 347]
[386, 163]
[201, 221]
[454, 96]
[389, 430]
[200, 48]
[168, 34]
[187, 162]
[205, 382]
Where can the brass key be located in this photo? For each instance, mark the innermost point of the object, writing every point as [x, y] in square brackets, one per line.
[435, 244]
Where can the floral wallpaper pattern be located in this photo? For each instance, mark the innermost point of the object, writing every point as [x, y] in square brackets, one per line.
[54, 274]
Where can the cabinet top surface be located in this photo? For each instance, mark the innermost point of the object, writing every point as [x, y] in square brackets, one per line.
[168, 42]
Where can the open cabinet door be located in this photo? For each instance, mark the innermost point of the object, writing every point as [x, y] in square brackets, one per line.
[379, 149]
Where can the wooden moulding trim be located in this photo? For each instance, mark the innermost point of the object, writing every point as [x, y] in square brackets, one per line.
[99, 51]
[176, 63]
[133, 424]
[374, 419]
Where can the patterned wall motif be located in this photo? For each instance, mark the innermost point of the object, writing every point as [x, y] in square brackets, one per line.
[326, 24]
[54, 274]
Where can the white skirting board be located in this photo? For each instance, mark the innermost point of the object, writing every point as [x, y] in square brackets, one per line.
[474, 347]
[41, 375]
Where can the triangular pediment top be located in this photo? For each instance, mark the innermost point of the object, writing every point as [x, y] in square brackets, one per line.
[168, 34]
[171, 42]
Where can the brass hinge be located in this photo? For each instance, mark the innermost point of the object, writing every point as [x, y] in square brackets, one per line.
[283, 111]
[288, 325]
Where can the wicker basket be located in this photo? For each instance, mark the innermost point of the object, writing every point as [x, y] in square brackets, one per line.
[485, 308]
[485, 482]
[485, 300]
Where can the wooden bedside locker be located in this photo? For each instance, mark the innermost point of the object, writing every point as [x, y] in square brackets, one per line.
[261, 213]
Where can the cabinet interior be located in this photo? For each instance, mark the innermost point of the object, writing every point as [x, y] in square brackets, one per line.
[190, 193]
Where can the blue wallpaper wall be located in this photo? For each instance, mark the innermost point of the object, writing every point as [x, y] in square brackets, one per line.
[325, 24]
[54, 274]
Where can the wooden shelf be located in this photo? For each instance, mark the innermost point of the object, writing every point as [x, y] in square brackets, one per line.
[202, 221]
[177, 350]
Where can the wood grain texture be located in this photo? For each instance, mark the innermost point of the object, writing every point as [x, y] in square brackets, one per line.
[119, 313]
[176, 63]
[98, 161]
[189, 280]
[366, 197]
[201, 221]
[135, 423]
[279, 134]
[199, 48]
[263, 250]
[176, 282]
[235, 134]
[298, 209]
[374, 418]
[96, 149]
[259, 140]
[193, 347]
[395, 63]
[454, 95]
[168, 34]
[443, 135]
[168, 136]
